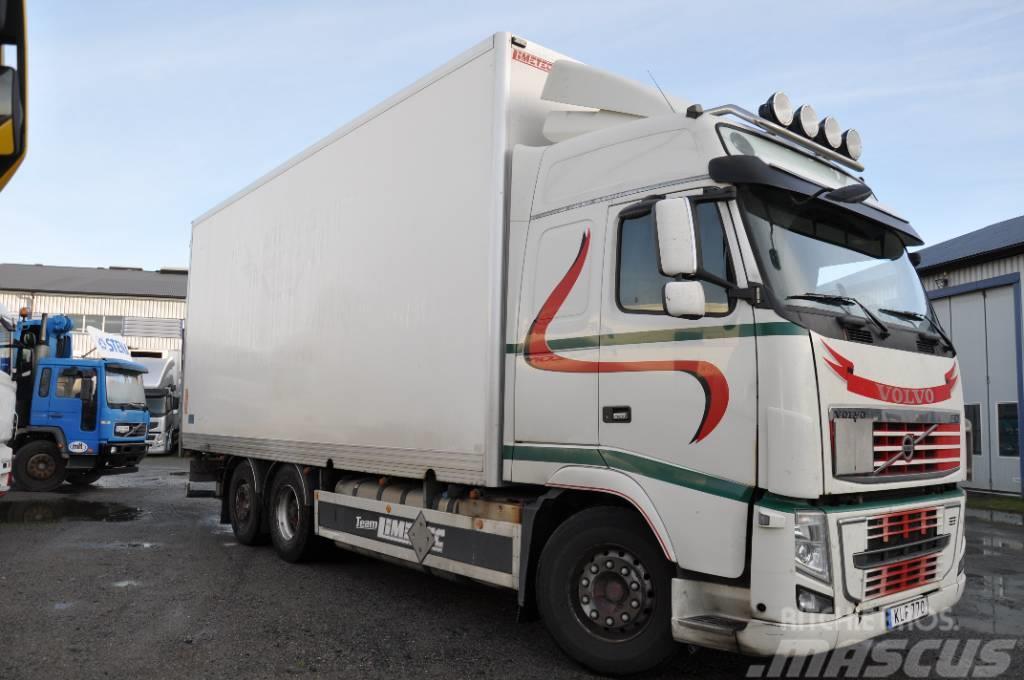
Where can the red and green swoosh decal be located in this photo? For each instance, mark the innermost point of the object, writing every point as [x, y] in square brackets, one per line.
[893, 394]
[539, 355]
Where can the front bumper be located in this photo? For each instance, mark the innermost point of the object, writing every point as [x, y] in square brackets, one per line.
[767, 638]
[112, 459]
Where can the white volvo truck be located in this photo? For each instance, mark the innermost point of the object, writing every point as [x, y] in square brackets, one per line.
[665, 370]
[162, 385]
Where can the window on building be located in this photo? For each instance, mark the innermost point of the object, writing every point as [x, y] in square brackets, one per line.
[113, 324]
[94, 320]
[973, 412]
[641, 283]
[1009, 430]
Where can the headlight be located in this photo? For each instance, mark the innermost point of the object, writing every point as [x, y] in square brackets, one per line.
[122, 430]
[811, 545]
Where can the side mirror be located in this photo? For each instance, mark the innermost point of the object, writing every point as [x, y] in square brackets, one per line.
[915, 258]
[677, 247]
[685, 299]
[11, 121]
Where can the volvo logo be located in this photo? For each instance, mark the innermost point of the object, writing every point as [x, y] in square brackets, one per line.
[909, 442]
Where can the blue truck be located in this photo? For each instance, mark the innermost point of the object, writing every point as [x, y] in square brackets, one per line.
[77, 418]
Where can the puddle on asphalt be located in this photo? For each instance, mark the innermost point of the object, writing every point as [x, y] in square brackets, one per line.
[65, 510]
[995, 582]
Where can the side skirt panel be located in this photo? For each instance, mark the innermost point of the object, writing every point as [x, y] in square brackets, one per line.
[481, 549]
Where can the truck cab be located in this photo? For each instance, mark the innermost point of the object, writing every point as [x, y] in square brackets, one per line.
[162, 397]
[78, 418]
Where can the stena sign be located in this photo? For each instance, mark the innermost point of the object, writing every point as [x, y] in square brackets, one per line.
[108, 345]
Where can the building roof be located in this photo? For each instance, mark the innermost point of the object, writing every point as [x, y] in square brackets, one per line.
[118, 282]
[987, 241]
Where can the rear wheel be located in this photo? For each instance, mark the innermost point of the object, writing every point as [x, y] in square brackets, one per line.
[38, 466]
[291, 521]
[604, 592]
[84, 478]
[244, 506]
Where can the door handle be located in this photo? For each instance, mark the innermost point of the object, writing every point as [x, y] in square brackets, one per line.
[617, 414]
[56, 415]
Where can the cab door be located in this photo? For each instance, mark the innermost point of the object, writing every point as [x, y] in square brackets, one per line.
[677, 396]
[73, 408]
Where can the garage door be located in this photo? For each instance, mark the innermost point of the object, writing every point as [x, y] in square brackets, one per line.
[982, 326]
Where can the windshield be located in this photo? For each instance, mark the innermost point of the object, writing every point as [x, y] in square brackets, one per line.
[125, 390]
[817, 249]
[156, 405]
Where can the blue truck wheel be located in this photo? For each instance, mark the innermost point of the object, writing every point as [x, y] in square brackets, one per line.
[38, 466]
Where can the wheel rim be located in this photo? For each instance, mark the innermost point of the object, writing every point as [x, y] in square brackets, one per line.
[613, 593]
[41, 467]
[243, 502]
[286, 512]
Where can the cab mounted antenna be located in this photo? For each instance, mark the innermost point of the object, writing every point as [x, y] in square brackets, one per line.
[670, 107]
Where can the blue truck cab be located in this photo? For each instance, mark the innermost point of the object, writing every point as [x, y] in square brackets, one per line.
[77, 418]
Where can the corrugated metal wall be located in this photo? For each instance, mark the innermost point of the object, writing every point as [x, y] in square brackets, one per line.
[156, 321]
[976, 272]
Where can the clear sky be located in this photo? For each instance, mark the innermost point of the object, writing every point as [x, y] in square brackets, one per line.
[145, 113]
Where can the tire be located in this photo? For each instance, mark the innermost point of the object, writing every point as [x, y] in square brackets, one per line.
[244, 507]
[291, 522]
[38, 466]
[83, 478]
[631, 599]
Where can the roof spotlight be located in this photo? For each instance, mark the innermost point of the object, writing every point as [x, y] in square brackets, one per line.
[829, 133]
[805, 121]
[852, 145]
[778, 109]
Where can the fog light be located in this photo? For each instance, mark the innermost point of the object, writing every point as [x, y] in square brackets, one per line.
[778, 109]
[812, 602]
[805, 121]
[852, 145]
[829, 133]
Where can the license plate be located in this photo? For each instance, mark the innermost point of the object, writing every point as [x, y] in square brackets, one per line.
[905, 613]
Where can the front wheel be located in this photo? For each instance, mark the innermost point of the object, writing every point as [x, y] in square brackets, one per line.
[38, 466]
[604, 592]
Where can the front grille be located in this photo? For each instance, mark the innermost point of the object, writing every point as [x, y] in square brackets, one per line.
[901, 576]
[898, 536]
[134, 429]
[900, 527]
[937, 452]
[154, 426]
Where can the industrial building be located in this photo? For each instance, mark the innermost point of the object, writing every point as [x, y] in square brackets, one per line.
[974, 282]
[146, 307]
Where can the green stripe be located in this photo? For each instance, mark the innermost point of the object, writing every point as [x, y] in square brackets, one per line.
[554, 454]
[786, 504]
[744, 330]
[665, 472]
[627, 462]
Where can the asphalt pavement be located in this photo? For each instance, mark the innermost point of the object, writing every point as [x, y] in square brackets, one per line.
[131, 579]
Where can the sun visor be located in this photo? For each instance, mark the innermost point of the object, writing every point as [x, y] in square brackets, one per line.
[753, 170]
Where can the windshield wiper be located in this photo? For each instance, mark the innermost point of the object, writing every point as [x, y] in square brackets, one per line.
[843, 300]
[901, 314]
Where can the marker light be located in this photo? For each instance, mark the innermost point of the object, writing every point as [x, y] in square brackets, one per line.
[778, 109]
[805, 121]
[829, 133]
[852, 145]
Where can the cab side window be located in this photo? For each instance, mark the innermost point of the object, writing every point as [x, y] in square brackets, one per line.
[44, 382]
[640, 281]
